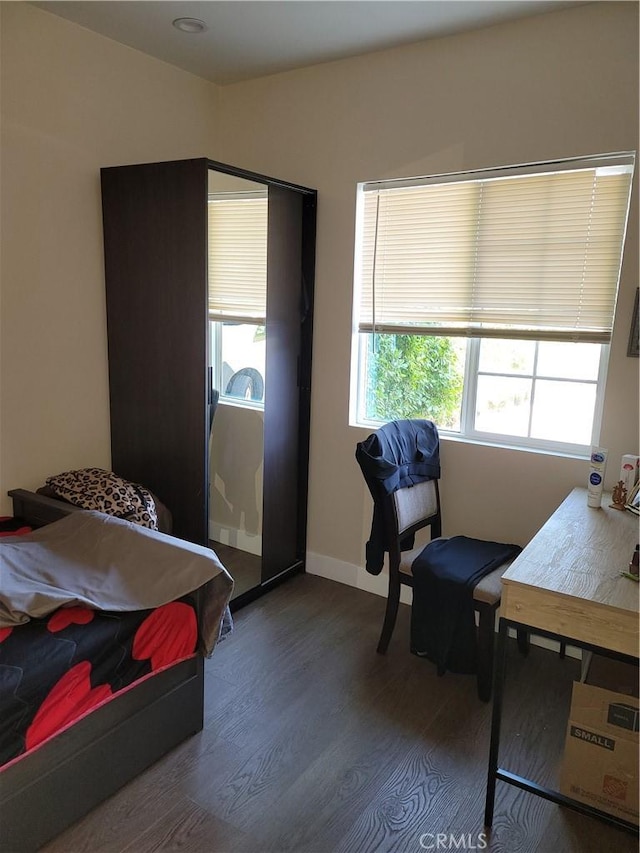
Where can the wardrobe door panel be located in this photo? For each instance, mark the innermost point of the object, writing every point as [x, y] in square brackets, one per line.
[282, 498]
[155, 238]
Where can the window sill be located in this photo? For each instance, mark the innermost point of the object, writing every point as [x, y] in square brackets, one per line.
[580, 456]
[499, 445]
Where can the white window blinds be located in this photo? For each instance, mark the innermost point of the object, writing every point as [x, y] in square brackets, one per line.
[237, 257]
[533, 252]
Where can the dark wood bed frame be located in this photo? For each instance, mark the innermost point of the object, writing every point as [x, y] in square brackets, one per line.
[61, 781]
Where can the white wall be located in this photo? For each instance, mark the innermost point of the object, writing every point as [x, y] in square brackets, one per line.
[556, 85]
[71, 101]
[552, 86]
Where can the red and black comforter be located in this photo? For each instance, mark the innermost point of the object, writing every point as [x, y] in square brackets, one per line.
[89, 605]
[56, 669]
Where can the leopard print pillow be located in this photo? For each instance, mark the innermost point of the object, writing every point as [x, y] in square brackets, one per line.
[104, 491]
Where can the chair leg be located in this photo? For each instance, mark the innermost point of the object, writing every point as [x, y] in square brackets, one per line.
[486, 635]
[391, 613]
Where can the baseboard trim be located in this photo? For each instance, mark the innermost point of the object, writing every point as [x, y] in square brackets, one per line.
[358, 577]
[352, 575]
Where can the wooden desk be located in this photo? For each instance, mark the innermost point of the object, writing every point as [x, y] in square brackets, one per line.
[566, 585]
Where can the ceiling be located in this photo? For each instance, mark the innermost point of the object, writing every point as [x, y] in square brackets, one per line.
[253, 38]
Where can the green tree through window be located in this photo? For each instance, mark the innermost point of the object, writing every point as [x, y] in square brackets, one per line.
[413, 376]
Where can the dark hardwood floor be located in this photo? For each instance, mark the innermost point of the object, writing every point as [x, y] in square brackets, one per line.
[315, 743]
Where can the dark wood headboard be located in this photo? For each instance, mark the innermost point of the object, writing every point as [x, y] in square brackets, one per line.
[38, 510]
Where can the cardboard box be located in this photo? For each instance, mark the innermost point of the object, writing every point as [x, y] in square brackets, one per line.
[600, 765]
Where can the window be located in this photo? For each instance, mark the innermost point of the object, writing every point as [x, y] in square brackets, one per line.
[237, 275]
[485, 300]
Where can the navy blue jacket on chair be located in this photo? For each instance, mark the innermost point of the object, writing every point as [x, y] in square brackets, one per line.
[443, 627]
[399, 454]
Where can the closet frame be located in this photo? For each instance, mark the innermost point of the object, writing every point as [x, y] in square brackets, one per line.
[155, 254]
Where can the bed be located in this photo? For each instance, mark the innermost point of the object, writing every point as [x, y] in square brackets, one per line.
[131, 716]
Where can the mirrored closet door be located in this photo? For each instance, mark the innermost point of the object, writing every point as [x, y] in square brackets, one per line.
[237, 287]
[209, 277]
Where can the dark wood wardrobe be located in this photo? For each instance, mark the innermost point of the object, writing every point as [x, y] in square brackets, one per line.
[156, 268]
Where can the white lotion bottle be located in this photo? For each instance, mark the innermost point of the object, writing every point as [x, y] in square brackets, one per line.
[595, 483]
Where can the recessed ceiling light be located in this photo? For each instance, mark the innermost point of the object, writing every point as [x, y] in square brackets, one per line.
[190, 25]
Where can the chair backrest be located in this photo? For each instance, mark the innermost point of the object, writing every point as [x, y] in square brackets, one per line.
[409, 510]
[415, 506]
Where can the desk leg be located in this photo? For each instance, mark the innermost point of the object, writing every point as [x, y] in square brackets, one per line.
[496, 719]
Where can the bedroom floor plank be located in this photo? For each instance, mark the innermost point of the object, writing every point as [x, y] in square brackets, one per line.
[129, 813]
[313, 743]
[187, 827]
[374, 738]
[439, 783]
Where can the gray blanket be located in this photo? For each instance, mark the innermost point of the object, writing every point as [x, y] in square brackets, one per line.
[105, 563]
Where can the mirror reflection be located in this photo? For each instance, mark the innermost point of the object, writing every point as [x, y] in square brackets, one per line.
[237, 279]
